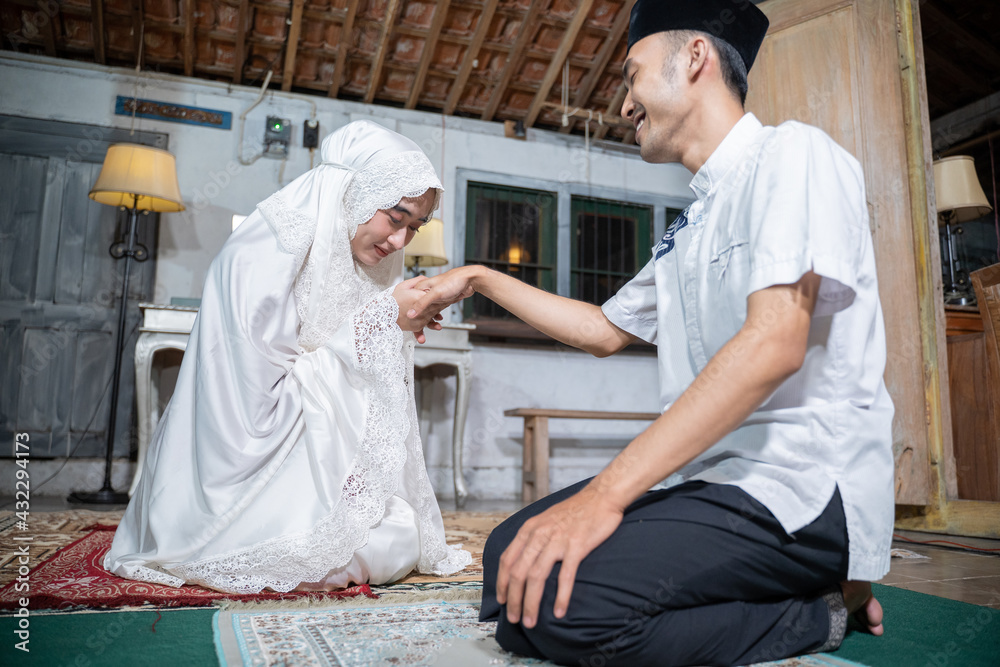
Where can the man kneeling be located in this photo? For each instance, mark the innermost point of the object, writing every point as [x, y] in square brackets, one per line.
[775, 437]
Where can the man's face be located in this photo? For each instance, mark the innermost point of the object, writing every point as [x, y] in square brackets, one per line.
[654, 102]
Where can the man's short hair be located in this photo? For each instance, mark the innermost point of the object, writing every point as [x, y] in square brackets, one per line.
[734, 71]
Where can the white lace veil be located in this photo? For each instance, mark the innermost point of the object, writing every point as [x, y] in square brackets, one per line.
[365, 168]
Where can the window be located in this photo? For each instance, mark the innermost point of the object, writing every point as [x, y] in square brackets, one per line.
[512, 230]
[612, 240]
[571, 239]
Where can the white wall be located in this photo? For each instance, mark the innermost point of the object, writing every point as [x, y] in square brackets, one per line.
[215, 186]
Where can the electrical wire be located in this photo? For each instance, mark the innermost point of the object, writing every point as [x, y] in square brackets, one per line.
[956, 545]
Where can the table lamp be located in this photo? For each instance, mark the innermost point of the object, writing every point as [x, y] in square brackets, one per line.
[960, 198]
[427, 247]
[135, 178]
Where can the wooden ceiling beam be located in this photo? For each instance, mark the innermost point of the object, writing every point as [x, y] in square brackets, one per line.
[292, 45]
[242, 26]
[137, 32]
[513, 57]
[427, 55]
[345, 40]
[555, 67]
[97, 30]
[187, 7]
[589, 82]
[48, 28]
[331, 14]
[375, 74]
[955, 73]
[485, 19]
[614, 108]
[982, 48]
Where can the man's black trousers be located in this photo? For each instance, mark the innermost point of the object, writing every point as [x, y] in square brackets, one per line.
[698, 574]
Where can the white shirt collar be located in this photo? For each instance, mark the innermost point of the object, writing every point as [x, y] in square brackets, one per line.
[725, 156]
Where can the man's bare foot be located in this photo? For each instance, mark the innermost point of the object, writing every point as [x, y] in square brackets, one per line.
[862, 604]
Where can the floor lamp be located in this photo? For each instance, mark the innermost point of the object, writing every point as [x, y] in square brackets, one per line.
[134, 178]
[960, 198]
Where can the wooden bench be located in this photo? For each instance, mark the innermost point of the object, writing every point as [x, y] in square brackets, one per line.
[535, 469]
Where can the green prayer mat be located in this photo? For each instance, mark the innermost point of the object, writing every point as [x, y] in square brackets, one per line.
[927, 631]
[921, 631]
[111, 638]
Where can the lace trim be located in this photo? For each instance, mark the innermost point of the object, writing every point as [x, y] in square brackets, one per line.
[293, 229]
[386, 445]
[436, 557]
[143, 573]
[410, 175]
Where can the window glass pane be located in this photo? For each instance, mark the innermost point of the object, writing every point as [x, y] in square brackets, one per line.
[612, 241]
[513, 231]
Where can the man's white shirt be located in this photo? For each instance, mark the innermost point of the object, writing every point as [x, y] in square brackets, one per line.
[774, 203]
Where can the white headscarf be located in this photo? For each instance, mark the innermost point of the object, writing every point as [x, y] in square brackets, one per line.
[365, 168]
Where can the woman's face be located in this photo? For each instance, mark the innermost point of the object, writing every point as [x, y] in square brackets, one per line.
[390, 230]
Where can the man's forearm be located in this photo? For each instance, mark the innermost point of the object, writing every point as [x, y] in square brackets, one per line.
[582, 325]
[734, 383]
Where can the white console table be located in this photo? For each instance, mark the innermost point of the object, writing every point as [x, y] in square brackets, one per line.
[168, 328]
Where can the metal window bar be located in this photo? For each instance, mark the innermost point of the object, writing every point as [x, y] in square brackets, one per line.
[511, 230]
[612, 242]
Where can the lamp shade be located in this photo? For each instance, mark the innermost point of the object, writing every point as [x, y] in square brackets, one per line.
[137, 175]
[958, 190]
[427, 246]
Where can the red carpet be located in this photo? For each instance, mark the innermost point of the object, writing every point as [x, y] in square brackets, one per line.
[75, 577]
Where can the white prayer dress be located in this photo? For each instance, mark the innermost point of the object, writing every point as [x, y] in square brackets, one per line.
[289, 455]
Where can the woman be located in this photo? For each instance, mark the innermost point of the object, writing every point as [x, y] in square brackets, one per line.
[289, 456]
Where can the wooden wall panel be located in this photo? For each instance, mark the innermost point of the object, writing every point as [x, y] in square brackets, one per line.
[834, 64]
[61, 288]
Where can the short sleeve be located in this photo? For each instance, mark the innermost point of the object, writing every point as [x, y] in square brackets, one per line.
[633, 308]
[808, 214]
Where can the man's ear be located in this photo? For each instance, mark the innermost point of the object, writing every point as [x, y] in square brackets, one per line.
[697, 50]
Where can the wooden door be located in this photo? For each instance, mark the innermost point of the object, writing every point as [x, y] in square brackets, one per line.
[60, 289]
[835, 64]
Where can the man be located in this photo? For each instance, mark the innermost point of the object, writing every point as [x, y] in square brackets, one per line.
[775, 437]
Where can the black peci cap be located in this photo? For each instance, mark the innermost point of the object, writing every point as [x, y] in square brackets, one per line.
[736, 22]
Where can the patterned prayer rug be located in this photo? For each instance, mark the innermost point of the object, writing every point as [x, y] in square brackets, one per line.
[66, 552]
[75, 577]
[429, 627]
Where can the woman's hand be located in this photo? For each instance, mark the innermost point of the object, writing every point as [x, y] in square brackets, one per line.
[407, 293]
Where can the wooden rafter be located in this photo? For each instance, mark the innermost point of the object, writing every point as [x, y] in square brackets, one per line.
[293, 44]
[458, 85]
[345, 40]
[137, 32]
[426, 56]
[614, 107]
[611, 43]
[555, 67]
[48, 28]
[513, 58]
[956, 73]
[242, 23]
[97, 30]
[985, 50]
[187, 7]
[375, 74]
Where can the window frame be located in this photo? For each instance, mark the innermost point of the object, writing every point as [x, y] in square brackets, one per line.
[564, 192]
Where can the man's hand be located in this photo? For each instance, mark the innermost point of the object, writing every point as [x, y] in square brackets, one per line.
[442, 291]
[565, 532]
[406, 294]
